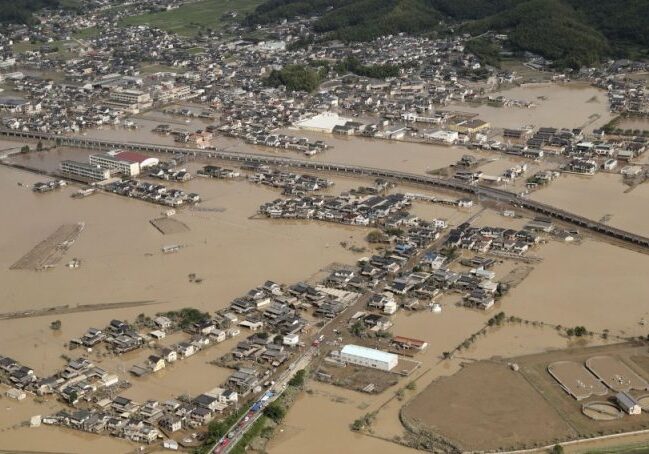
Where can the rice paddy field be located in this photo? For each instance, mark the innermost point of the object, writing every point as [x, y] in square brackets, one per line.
[192, 17]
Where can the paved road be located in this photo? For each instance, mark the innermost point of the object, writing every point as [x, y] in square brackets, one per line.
[328, 332]
[239, 429]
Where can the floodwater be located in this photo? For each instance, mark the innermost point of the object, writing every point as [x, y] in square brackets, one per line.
[567, 105]
[600, 197]
[15, 433]
[122, 261]
[398, 155]
[634, 123]
[557, 105]
[595, 284]
[319, 423]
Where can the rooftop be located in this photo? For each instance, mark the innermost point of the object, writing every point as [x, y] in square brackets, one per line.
[370, 353]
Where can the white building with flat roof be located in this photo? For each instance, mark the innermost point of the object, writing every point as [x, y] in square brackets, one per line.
[324, 122]
[368, 357]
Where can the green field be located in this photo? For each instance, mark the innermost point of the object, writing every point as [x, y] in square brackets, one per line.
[86, 33]
[191, 18]
[151, 69]
[642, 448]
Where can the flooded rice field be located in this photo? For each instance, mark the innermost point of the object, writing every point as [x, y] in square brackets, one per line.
[569, 105]
[602, 197]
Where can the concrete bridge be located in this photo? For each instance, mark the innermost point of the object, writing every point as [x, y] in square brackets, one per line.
[498, 195]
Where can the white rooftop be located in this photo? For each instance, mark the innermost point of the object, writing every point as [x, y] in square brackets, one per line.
[325, 121]
[370, 353]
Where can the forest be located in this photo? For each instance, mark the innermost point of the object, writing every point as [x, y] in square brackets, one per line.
[571, 33]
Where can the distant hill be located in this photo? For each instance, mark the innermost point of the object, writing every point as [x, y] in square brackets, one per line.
[21, 11]
[570, 32]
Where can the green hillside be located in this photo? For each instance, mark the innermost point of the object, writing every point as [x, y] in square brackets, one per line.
[550, 28]
[21, 12]
[570, 32]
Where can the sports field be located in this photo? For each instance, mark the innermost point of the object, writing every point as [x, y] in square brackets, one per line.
[193, 17]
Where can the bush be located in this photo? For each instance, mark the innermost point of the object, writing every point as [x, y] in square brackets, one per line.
[275, 411]
[376, 236]
[363, 422]
[298, 379]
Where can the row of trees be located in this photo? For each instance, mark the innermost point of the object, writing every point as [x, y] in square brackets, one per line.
[353, 65]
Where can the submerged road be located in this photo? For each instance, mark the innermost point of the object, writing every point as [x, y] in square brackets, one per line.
[498, 195]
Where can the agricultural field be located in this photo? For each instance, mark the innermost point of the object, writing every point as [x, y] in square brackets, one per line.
[191, 18]
[488, 405]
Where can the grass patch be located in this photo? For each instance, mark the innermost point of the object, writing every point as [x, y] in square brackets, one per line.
[629, 449]
[191, 18]
[151, 69]
[86, 33]
[24, 46]
[61, 54]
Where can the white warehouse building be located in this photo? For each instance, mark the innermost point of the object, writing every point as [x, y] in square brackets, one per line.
[368, 357]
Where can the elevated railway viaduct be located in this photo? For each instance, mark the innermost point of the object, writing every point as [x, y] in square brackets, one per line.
[494, 194]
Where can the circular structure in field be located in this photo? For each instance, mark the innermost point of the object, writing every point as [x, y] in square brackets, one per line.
[644, 402]
[601, 411]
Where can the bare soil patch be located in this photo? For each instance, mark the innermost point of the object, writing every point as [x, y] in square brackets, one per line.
[486, 406]
[489, 406]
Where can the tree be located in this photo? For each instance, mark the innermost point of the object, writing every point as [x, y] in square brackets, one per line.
[295, 78]
[358, 328]
[364, 421]
[216, 429]
[580, 331]
[72, 397]
[55, 325]
[39, 146]
[298, 379]
[557, 449]
[375, 236]
[25, 149]
[275, 412]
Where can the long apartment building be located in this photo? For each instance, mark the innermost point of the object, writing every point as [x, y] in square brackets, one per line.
[115, 164]
[84, 171]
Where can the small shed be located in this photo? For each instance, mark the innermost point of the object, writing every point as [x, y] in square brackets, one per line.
[628, 403]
